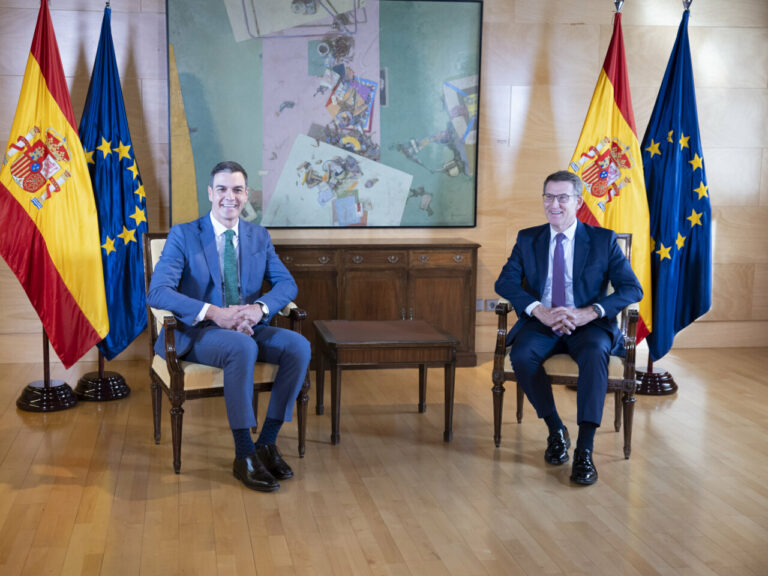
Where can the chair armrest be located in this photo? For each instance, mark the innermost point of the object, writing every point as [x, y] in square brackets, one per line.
[171, 359]
[295, 316]
[630, 341]
[502, 310]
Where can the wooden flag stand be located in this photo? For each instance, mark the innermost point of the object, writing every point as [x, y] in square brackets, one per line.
[655, 381]
[101, 386]
[46, 395]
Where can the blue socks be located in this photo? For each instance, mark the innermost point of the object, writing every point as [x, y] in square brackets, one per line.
[243, 443]
[269, 431]
[553, 422]
[586, 440]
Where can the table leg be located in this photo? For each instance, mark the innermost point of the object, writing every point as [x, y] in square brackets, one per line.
[335, 402]
[450, 378]
[320, 383]
[422, 388]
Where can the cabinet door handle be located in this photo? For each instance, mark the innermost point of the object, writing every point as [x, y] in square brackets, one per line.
[393, 259]
[357, 259]
[323, 259]
[423, 258]
[288, 259]
[458, 258]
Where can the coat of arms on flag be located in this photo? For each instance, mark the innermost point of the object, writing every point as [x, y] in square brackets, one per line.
[600, 168]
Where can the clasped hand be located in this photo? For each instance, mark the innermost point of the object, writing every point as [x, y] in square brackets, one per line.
[564, 319]
[241, 317]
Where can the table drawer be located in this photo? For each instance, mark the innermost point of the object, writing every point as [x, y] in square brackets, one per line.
[441, 258]
[307, 258]
[376, 258]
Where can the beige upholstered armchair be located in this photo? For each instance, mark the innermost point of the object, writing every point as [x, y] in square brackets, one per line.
[563, 370]
[181, 380]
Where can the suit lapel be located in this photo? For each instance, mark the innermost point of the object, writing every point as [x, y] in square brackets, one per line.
[581, 247]
[542, 259]
[208, 240]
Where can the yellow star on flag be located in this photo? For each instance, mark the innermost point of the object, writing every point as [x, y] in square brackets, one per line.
[140, 191]
[138, 216]
[669, 136]
[105, 147]
[134, 170]
[653, 148]
[109, 246]
[695, 218]
[653, 245]
[663, 252]
[127, 235]
[680, 241]
[684, 141]
[696, 162]
[124, 151]
[89, 157]
[701, 190]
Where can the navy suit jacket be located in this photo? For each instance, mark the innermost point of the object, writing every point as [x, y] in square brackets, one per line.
[597, 260]
[188, 275]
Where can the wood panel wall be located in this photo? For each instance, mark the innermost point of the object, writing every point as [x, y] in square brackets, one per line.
[541, 59]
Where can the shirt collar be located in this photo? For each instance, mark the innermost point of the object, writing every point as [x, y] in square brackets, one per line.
[569, 232]
[219, 228]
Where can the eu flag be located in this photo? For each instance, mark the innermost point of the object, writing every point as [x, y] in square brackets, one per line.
[678, 201]
[120, 198]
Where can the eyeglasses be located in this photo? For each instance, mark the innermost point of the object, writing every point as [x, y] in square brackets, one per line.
[561, 198]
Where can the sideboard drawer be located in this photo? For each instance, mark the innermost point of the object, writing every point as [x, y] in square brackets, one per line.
[441, 258]
[306, 258]
[376, 258]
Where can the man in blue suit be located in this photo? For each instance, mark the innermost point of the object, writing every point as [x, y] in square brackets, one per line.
[210, 275]
[556, 279]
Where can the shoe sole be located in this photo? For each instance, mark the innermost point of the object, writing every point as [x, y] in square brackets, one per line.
[256, 488]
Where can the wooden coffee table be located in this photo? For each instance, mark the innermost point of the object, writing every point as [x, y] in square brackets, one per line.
[383, 344]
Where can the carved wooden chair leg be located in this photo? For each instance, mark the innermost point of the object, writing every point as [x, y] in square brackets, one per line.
[520, 402]
[157, 404]
[629, 411]
[301, 415]
[177, 415]
[617, 410]
[498, 405]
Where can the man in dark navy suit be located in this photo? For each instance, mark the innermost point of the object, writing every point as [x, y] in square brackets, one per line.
[556, 279]
[210, 275]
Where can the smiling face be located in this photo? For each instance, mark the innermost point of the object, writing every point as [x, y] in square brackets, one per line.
[561, 214]
[228, 195]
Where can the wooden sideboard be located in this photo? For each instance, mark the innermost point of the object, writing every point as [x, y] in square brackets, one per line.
[426, 279]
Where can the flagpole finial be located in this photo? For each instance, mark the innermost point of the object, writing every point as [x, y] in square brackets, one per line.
[620, 5]
[687, 4]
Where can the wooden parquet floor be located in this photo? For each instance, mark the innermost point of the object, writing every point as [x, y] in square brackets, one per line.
[87, 492]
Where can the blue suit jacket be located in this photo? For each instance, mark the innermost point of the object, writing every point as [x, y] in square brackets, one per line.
[597, 260]
[188, 275]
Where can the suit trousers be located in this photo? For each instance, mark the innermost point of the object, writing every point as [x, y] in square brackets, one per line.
[588, 345]
[236, 353]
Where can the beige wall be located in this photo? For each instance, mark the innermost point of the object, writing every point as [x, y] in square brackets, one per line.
[541, 59]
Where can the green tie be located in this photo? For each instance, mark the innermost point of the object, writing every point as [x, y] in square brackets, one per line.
[231, 292]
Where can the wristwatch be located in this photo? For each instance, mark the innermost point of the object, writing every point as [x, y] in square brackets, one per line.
[264, 308]
[597, 310]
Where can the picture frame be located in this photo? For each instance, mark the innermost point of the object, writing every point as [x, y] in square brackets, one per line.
[351, 113]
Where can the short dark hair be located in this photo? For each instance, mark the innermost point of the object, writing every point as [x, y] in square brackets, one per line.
[564, 176]
[228, 166]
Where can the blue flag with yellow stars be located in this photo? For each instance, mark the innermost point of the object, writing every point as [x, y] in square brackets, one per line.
[678, 201]
[120, 199]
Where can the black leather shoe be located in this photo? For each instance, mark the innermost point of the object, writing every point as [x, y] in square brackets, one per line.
[557, 447]
[251, 472]
[583, 471]
[270, 457]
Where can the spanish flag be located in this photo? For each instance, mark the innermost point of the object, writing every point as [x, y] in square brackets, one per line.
[49, 230]
[609, 162]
